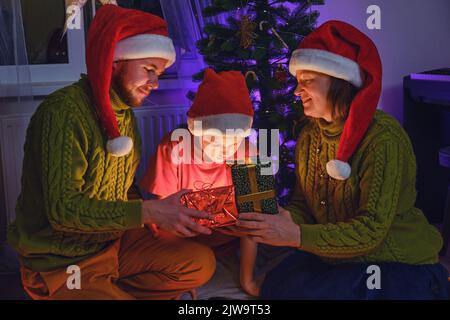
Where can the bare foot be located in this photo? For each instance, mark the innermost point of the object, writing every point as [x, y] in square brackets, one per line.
[192, 292]
[251, 287]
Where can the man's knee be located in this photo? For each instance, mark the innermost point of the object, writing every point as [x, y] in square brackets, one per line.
[202, 263]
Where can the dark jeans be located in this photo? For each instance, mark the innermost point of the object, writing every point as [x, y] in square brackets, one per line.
[305, 276]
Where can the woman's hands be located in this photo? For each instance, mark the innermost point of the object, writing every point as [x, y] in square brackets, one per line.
[274, 230]
[169, 215]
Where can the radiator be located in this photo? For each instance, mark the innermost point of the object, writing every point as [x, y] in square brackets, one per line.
[154, 122]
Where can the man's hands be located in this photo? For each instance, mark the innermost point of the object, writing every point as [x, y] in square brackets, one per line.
[274, 230]
[169, 215]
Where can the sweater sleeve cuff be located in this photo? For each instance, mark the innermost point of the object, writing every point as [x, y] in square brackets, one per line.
[133, 214]
[296, 214]
[308, 237]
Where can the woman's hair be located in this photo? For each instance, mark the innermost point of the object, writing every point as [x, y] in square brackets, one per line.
[340, 95]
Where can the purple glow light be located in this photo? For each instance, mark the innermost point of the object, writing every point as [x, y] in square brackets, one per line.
[253, 138]
[290, 144]
[256, 95]
[430, 77]
[281, 138]
[284, 192]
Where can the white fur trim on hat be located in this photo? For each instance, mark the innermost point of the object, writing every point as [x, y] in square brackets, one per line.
[120, 146]
[221, 122]
[338, 170]
[145, 46]
[328, 63]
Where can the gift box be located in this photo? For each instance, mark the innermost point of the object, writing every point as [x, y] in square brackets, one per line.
[219, 202]
[255, 192]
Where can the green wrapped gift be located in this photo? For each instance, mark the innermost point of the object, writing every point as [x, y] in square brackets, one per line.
[254, 192]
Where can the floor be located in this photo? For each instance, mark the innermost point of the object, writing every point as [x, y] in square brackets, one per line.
[10, 286]
[446, 260]
[11, 289]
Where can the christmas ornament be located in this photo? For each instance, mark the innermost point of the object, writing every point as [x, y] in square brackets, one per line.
[211, 38]
[281, 74]
[251, 74]
[274, 32]
[246, 32]
[251, 79]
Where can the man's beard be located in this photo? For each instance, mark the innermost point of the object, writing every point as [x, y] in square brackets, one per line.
[125, 94]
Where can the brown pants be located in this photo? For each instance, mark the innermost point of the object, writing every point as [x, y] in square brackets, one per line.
[137, 266]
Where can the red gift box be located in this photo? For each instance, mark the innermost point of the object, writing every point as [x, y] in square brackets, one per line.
[219, 202]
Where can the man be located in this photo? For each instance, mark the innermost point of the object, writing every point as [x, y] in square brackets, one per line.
[77, 235]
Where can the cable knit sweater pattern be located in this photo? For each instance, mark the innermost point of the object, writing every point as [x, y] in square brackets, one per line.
[73, 201]
[369, 217]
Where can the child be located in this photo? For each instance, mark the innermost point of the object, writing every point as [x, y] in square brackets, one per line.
[221, 103]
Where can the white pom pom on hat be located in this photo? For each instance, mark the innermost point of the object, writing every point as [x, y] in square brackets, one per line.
[120, 146]
[338, 170]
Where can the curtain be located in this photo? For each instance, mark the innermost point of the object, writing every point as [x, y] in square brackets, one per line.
[15, 77]
[202, 4]
[182, 26]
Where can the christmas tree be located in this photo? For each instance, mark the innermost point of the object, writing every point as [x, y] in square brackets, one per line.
[257, 39]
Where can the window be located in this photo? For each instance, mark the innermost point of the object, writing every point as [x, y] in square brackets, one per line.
[183, 29]
[153, 7]
[50, 60]
[150, 6]
[43, 40]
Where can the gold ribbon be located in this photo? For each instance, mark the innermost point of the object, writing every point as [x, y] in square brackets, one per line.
[255, 196]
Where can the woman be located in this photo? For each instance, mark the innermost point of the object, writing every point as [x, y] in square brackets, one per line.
[353, 206]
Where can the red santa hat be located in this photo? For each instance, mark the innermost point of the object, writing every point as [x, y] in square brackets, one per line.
[222, 102]
[340, 50]
[120, 34]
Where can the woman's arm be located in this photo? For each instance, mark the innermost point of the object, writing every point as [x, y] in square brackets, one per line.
[298, 208]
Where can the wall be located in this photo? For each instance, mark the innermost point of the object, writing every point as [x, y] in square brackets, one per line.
[414, 37]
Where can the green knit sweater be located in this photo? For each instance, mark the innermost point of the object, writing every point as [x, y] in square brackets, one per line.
[73, 201]
[369, 217]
